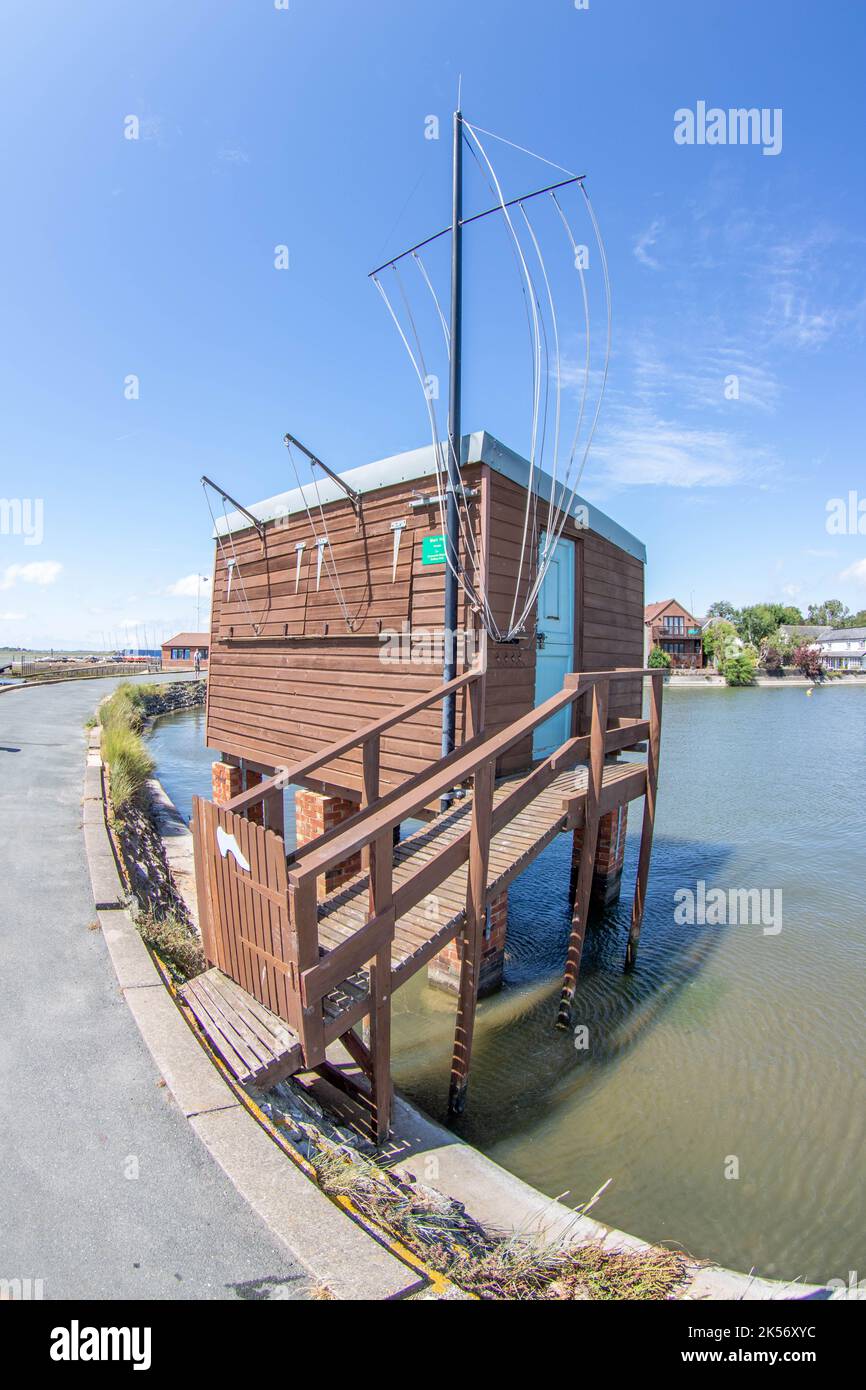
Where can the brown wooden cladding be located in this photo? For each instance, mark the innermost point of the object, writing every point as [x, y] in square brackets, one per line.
[271, 700]
[287, 676]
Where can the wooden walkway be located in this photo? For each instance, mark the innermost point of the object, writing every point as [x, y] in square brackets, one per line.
[290, 975]
[258, 1047]
[418, 936]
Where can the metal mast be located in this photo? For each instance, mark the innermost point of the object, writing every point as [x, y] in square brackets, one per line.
[452, 520]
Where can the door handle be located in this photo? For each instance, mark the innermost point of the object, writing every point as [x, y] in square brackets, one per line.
[540, 639]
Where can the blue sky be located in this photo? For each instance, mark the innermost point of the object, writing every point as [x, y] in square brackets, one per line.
[306, 127]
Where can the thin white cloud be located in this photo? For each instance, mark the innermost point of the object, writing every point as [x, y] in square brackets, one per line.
[640, 448]
[814, 287]
[714, 374]
[855, 573]
[12, 617]
[190, 586]
[38, 572]
[645, 241]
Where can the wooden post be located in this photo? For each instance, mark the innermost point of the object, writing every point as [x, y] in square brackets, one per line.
[369, 789]
[587, 851]
[473, 934]
[202, 886]
[304, 931]
[475, 706]
[275, 813]
[649, 815]
[381, 902]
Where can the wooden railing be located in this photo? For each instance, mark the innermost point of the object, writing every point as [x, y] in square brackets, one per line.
[368, 739]
[371, 832]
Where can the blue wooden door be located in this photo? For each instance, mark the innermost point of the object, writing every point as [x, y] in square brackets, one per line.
[554, 656]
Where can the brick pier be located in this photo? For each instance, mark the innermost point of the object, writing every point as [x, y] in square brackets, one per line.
[609, 855]
[443, 972]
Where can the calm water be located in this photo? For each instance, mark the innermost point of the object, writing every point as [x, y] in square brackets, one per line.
[726, 1041]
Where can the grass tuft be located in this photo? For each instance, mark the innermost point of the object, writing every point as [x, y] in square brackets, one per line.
[495, 1267]
[175, 942]
[122, 719]
[129, 762]
[126, 708]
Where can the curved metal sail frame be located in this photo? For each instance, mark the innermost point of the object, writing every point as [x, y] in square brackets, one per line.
[546, 368]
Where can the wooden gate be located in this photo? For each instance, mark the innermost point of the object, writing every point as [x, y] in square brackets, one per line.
[244, 908]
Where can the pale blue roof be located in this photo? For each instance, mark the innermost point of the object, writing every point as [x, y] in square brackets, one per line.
[479, 447]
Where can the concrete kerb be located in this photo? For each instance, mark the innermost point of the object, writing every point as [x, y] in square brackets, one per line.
[337, 1252]
[502, 1202]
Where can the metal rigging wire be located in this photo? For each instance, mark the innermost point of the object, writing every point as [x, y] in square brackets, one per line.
[559, 509]
[426, 278]
[477, 597]
[533, 302]
[232, 565]
[478, 601]
[328, 549]
[529, 328]
[557, 423]
[523, 150]
[567, 510]
[469, 539]
[537, 320]
[587, 335]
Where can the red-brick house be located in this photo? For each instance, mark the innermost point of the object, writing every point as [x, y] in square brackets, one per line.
[178, 653]
[677, 631]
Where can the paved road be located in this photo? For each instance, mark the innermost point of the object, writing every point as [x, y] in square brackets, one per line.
[80, 1103]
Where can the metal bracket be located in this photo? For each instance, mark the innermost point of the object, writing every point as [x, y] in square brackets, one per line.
[433, 498]
[227, 497]
[353, 496]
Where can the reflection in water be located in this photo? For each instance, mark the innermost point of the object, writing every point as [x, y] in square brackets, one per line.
[725, 1041]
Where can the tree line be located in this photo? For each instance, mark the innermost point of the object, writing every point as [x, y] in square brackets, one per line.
[743, 638]
[755, 623]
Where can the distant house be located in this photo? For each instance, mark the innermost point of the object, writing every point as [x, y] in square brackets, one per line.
[844, 649]
[677, 631]
[178, 653]
[803, 633]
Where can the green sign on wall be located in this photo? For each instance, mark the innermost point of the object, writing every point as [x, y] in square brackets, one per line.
[433, 550]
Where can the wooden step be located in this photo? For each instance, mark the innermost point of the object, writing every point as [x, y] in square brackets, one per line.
[257, 1047]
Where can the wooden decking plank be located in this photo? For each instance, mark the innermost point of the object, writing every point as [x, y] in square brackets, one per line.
[512, 849]
[255, 1045]
[212, 1026]
[257, 1018]
[233, 1027]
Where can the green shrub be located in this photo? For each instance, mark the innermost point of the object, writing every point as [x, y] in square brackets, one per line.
[128, 761]
[721, 642]
[739, 670]
[659, 659]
